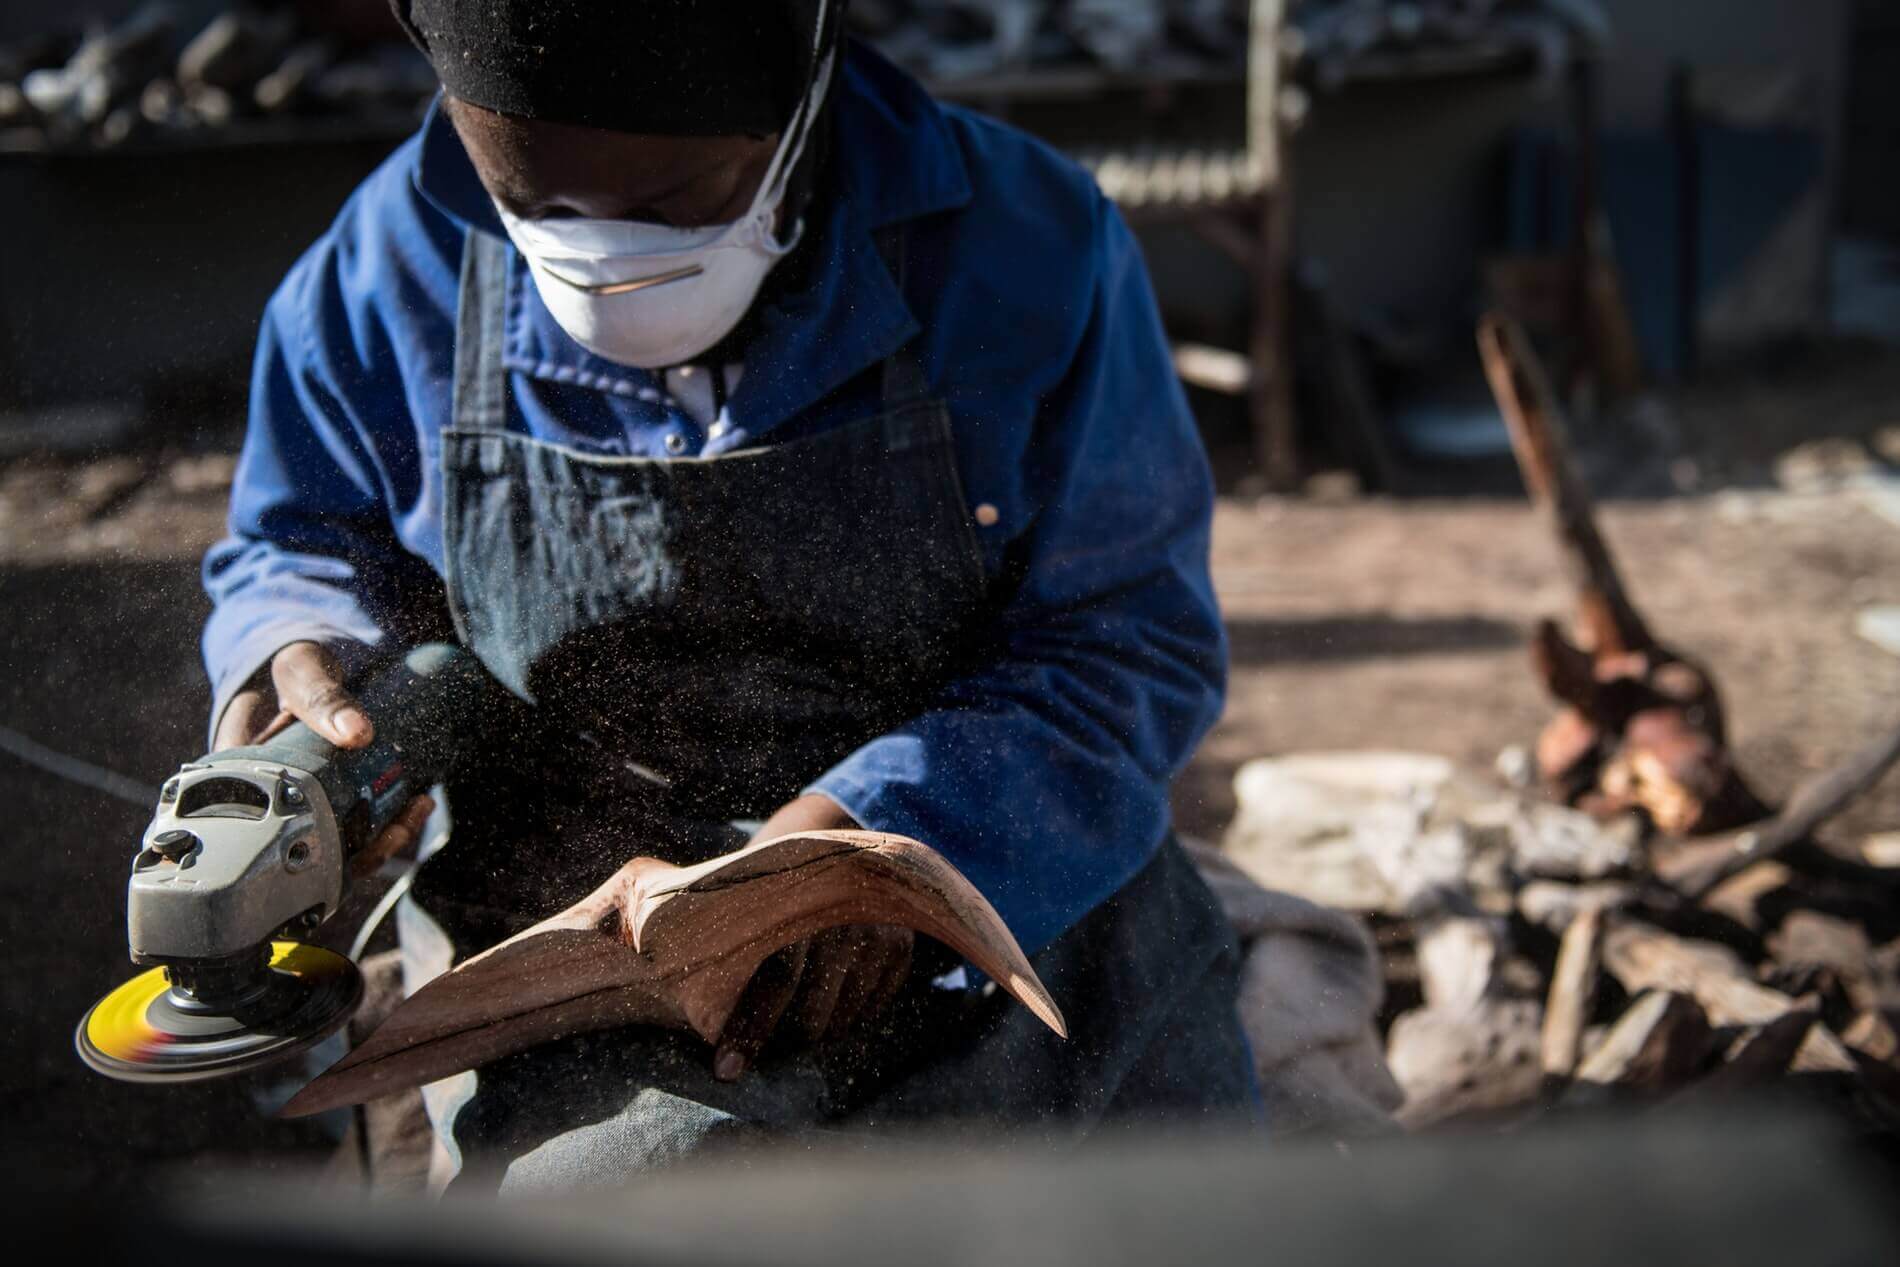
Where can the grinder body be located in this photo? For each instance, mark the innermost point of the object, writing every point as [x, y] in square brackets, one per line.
[249, 850]
[255, 840]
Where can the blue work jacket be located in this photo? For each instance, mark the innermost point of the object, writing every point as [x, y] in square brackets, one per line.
[1044, 774]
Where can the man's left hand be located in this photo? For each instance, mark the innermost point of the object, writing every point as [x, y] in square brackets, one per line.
[818, 990]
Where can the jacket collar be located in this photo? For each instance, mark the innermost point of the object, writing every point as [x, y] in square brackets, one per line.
[895, 160]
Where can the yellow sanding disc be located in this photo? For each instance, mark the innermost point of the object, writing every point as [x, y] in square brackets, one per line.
[145, 1031]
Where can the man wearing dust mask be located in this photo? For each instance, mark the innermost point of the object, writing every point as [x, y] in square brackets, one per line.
[802, 454]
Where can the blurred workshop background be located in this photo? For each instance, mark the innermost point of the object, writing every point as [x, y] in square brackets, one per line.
[1329, 192]
[1692, 205]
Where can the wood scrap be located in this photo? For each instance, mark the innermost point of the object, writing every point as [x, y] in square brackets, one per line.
[1822, 1051]
[1573, 992]
[1551, 842]
[1642, 726]
[1881, 849]
[1514, 934]
[1767, 1050]
[1658, 1044]
[1811, 937]
[674, 947]
[1642, 958]
[1809, 945]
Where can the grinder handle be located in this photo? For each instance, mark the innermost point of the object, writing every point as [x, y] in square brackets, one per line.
[426, 706]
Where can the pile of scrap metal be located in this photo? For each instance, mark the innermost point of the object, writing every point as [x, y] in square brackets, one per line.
[152, 75]
[1330, 43]
[1622, 921]
[944, 41]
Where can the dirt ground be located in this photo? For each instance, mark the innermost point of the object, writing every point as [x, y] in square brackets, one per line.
[1366, 623]
[1402, 625]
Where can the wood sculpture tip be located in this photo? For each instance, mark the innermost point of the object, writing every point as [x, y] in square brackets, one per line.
[1030, 993]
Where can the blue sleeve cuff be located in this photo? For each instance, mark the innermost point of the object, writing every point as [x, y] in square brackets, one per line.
[974, 785]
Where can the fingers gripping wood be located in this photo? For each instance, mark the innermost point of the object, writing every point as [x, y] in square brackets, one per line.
[676, 947]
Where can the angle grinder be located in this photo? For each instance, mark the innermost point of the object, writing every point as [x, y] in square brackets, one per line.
[247, 855]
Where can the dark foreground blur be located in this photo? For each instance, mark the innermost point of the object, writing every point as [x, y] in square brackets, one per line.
[1775, 1190]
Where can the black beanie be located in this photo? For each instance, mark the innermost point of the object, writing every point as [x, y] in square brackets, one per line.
[674, 67]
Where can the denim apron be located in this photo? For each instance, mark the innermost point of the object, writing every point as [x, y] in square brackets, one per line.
[694, 641]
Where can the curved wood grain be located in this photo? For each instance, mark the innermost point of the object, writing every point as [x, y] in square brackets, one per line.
[675, 947]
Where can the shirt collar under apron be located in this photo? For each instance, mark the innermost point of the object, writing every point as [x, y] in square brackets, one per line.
[895, 160]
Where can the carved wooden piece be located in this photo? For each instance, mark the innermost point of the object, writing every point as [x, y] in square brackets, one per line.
[1695, 867]
[1641, 725]
[674, 947]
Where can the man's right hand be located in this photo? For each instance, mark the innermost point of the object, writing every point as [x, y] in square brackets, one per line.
[305, 684]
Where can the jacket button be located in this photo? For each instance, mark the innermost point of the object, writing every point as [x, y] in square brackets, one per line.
[675, 442]
[987, 515]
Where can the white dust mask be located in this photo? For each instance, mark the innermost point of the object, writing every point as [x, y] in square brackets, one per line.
[650, 295]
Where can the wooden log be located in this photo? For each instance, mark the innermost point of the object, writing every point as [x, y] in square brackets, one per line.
[1645, 958]
[1573, 992]
[1657, 1044]
[1740, 897]
[674, 947]
[1811, 937]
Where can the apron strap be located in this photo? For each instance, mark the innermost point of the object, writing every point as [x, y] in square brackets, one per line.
[903, 373]
[481, 382]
